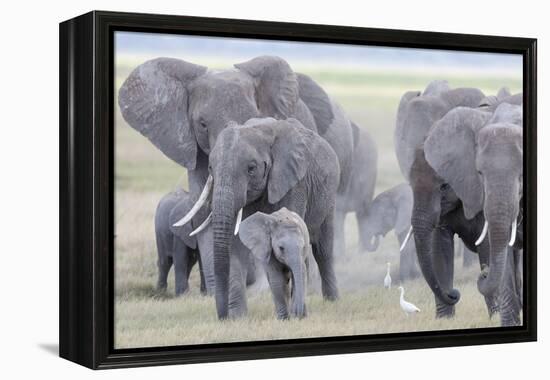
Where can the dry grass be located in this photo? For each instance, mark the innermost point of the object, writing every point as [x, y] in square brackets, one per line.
[143, 175]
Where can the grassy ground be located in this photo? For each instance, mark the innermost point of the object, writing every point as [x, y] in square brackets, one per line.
[143, 175]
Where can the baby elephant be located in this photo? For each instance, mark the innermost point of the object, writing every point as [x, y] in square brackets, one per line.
[281, 242]
[392, 210]
[179, 250]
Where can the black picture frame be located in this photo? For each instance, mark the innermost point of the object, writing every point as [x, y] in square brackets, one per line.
[86, 189]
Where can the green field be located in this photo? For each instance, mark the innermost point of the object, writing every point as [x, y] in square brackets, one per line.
[144, 174]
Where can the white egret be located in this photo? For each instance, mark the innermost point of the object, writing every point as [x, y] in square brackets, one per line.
[407, 307]
[387, 279]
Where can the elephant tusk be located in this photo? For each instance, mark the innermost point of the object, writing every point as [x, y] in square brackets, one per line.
[197, 206]
[513, 236]
[483, 234]
[239, 218]
[203, 225]
[406, 239]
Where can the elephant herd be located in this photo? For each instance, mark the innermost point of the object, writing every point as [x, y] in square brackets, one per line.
[274, 165]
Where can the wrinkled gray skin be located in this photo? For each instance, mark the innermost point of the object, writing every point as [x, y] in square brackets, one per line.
[416, 114]
[281, 242]
[391, 210]
[418, 111]
[171, 209]
[182, 108]
[263, 166]
[359, 194]
[483, 168]
[181, 252]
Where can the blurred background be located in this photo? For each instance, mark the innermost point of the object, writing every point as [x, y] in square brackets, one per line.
[368, 82]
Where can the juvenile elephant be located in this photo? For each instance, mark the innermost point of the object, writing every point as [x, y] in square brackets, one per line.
[177, 249]
[263, 166]
[281, 242]
[391, 210]
[195, 236]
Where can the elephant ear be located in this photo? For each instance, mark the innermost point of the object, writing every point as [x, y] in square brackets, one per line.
[291, 157]
[508, 113]
[318, 102]
[450, 150]
[181, 208]
[255, 233]
[503, 93]
[276, 85]
[436, 88]
[492, 101]
[153, 100]
[414, 119]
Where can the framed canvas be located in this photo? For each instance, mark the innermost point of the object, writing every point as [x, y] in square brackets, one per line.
[234, 189]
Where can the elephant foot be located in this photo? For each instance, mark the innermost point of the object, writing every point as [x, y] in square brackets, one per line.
[509, 320]
[237, 313]
[444, 311]
[331, 297]
[492, 306]
[182, 291]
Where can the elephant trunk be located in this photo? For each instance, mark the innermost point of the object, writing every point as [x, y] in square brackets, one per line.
[223, 224]
[423, 227]
[298, 268]
[500, 215]
[368, 238]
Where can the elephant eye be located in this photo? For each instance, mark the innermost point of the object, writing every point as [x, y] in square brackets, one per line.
[479, 172]
[202, 123]
[251, 168]
[281, 249]
[444, 187]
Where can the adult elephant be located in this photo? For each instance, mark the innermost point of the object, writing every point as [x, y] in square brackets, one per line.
[484, 168]
[182, 108]
[417, 113]
[358, 196]
[263, 166]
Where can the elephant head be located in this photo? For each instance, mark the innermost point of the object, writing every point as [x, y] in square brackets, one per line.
[181, 107]
[281, 241]
[483, 166]
[390, 210]
[417, 112]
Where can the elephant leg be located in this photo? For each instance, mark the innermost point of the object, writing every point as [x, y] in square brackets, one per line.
[251, 272]
[518, 257]
[238, 268]
[408, 268]
[201, 272]
[443, 262]
[323, 254]
[182, 266]
[484, 254]
[279, 282]
[339, 236]
[164, 264]
[509, 301]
